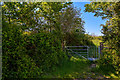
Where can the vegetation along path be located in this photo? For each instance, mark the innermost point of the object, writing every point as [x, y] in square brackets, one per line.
[76, 67]
[34, 36]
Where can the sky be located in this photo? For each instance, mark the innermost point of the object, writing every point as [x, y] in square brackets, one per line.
[92, 23]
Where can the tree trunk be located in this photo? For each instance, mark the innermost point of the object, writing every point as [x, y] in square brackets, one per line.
[9, 19]
[63, 45]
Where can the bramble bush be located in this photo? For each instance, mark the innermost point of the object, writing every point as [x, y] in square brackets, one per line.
[45, 49]
[28, 55]
[16, 63]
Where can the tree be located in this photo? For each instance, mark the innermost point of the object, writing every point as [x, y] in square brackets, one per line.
[111, 30]
[70, 22]
[31, 14]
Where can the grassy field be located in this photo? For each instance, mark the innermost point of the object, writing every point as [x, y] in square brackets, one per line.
[96, 42]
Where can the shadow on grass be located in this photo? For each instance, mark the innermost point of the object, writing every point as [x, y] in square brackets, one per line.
[107, 70]
[75, 67]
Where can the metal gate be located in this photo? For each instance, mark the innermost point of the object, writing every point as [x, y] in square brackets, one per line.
[87, 52]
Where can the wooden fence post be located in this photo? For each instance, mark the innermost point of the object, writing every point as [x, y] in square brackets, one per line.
[101, 48]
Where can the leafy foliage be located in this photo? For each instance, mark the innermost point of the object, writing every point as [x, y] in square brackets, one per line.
[29, 55]
[45, 49]
[76, 39]
[34, 34]
[111, 31]
[16, 63]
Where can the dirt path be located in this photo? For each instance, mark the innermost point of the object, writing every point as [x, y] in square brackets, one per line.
[91, 74]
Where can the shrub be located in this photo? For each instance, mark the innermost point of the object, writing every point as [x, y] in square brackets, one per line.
[45, 49]
[16, 63]
[110, 60]
[29, 55]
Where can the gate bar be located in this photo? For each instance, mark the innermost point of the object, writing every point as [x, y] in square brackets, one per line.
[87, 52]
[76, 46]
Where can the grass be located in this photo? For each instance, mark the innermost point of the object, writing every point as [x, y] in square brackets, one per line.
[73, 68]
[96, 42]
[76, 67]
[107, 71]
